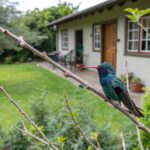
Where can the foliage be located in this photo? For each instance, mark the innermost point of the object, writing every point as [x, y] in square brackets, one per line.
[61, 130]
[37, 22]
[32, 26]
[136, 14]
[136, 79]
[130, 76]
[8, 60]
[146, 119]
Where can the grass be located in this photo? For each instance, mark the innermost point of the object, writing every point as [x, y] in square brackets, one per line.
[26, 82]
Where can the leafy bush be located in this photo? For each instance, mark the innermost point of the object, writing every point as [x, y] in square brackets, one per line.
[8, 60]
[146, 119]
[22, 56]
[61, 130]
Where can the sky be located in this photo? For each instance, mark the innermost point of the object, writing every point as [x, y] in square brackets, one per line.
[25, 5]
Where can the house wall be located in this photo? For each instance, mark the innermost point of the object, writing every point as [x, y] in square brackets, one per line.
[135, 64]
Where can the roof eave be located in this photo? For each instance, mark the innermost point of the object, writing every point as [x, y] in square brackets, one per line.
[85, 11]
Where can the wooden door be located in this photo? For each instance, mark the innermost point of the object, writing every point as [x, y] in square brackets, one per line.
[109, 44]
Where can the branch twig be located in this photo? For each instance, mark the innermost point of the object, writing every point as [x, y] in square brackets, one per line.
[139, 138]
[123, 141]
[78, 126]
[32, 135]
[73, 76]
[28, 118]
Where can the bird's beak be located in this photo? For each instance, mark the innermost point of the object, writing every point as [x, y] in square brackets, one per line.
[94, 67]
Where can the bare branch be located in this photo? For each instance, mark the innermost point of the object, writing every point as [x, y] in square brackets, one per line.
[78, 126]
[123, 141]
[78, 79]
[139, 138]
[32, 135]
[21, 111]
[98, 144]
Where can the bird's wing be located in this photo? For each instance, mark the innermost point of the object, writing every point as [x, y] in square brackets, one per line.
[123, 94]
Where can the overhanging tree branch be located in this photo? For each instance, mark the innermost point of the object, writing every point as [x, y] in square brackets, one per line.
[68, 73]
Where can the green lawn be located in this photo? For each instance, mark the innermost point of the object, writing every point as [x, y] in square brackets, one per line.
[25, 81]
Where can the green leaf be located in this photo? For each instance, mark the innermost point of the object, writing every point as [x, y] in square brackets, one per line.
[94, 135]
[61, 139]
[145, 12]
[129, 10]
[132, 18]
[89, 148]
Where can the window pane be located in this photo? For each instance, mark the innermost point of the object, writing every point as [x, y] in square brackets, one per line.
[148, 46]
[133, 36]
[135, 46]
[97, 37]
[143, 35]
[130, 46]
[130, 35]
[65, 39]
[136, 35]
[143, 45]
[132, 25]
[145, 39]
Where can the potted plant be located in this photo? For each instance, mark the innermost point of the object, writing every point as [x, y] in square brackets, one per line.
[136, 84]
[124, 79]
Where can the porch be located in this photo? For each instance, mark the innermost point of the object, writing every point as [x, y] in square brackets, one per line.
[91, 77]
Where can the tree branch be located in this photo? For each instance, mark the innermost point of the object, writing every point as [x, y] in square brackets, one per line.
[139, 138]
[22, 112]
[32, 135]
[78, 126]
[73, 76]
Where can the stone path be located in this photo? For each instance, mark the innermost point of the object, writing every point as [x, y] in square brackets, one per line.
[90, 77]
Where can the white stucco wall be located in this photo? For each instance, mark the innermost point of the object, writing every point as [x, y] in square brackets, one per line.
[137, 65]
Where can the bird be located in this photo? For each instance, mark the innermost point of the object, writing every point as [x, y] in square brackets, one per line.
[114, 88]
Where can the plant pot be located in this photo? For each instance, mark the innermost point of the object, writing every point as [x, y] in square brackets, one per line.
[137, 87]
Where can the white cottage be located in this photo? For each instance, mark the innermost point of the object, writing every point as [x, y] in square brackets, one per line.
[103, 33]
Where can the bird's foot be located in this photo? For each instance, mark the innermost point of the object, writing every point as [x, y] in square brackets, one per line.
[117, 104]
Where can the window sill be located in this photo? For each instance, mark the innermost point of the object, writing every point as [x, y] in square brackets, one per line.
[137, 54]
[65, 49]
[95, 50]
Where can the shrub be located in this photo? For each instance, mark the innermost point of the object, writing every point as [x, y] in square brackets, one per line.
[8, 60]
[146, 119]
[61, 130]
[22, 56]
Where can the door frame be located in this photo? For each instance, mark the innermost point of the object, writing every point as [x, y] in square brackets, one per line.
[102, 52]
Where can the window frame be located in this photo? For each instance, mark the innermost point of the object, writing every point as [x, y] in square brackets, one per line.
[100, 38]
[138, 52]
[62, 38]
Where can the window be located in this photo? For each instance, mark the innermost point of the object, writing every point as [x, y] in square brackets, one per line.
[97, 37]
[138, 40]
[133, 36]
[65, 39]
[145, 39]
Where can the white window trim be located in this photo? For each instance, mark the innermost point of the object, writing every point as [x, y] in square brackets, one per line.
[63, 36]
[96, 40]
[141, 39]
[128, 40]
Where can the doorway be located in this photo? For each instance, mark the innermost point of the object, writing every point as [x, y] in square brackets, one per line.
[79, 46]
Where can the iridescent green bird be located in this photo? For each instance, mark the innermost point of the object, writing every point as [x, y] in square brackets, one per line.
[114, 88]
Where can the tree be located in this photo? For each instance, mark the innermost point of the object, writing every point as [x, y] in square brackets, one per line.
[37, 21]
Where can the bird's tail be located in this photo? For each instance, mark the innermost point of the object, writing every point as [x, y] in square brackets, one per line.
[131, 106]
[137, 111]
